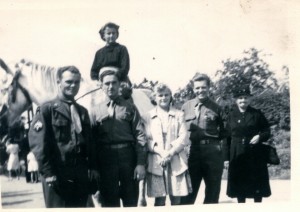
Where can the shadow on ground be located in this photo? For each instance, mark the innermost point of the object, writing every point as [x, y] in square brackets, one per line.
[16, 202]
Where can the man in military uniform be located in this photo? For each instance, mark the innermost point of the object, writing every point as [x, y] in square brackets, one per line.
[121, 145]
[203, 117]
[59, 137]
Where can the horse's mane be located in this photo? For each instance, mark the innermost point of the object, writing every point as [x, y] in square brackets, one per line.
[42, 76]
[41, 83]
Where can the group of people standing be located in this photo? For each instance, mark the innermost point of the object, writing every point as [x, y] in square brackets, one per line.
[173, 150]
[14, 147]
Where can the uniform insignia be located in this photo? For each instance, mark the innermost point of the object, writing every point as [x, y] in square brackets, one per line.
[38, 126]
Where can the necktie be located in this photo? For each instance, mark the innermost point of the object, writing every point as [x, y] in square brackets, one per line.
[111, 108]
[198, 110]
[75, 119]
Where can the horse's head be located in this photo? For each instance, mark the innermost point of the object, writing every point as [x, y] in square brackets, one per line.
[18, 102]
[33, 83]
[6, 76]
[13, 95]
[5, 81]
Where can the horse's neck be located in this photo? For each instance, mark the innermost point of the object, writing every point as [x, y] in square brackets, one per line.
[40, 88]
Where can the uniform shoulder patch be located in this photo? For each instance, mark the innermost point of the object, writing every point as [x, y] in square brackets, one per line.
[38, 126]
[56, 105]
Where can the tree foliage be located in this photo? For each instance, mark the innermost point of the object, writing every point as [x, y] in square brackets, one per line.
[145, 84]
[250, 70]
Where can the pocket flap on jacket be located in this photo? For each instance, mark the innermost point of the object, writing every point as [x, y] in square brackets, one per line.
[60, 122]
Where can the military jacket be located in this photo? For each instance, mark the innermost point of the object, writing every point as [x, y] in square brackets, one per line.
[204, 120]
[53, 142]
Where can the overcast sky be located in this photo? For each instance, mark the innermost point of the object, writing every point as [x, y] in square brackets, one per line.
[167, 41]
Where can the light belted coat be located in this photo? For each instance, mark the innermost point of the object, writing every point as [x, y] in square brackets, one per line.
[176, 141]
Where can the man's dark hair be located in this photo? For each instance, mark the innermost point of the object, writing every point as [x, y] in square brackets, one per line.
[71, 69]
[109, 72]
[200, 77]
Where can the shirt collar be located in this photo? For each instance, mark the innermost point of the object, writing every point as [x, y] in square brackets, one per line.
[65, 100]
[198, 102]
[153, 112]
[117, 100]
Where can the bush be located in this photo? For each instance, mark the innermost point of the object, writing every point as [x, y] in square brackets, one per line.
[281, 140]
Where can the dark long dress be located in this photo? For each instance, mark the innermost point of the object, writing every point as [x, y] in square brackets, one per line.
[248, 173]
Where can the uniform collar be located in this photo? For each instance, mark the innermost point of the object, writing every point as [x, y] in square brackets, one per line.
[153, 112]
[61, 107]
[117, 100]
[198, 102]
[68, 101]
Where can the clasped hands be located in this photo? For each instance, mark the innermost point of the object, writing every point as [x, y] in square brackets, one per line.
[165, 156]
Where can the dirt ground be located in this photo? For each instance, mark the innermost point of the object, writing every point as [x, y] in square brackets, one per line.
[19, 194]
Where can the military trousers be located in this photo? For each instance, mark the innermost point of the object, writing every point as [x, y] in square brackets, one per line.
[70, 189]
[205, 162]
[117, 177]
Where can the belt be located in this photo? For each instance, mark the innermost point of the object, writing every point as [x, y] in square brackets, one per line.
[206, 141]
[116, 146]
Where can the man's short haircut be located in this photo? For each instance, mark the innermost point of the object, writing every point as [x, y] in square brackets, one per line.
[71, 69]
[107, 73]
[200, 77]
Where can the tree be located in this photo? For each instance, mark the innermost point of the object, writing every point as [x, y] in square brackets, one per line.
[250, 70]
[183, 95]
[145, 84]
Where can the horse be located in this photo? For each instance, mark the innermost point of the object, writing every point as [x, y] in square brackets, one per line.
[35, 83]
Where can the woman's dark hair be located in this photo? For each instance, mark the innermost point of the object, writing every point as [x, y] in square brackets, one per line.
[110, 25]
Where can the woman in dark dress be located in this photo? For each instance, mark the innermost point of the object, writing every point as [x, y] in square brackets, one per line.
[113, 54]
[248, 175]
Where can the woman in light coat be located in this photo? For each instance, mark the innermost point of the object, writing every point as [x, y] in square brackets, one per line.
[167, 172]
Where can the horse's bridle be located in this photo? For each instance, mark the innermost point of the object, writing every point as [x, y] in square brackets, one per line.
[15, 85]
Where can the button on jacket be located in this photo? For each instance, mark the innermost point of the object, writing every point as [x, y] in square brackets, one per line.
[124, 127]
[176, 141]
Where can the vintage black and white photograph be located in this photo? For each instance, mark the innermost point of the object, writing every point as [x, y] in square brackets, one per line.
[169, 104]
